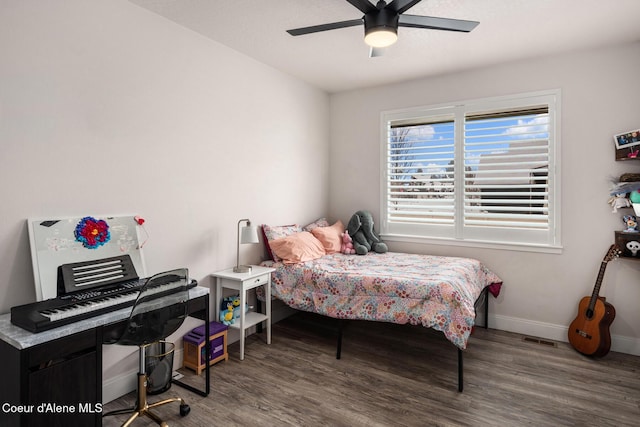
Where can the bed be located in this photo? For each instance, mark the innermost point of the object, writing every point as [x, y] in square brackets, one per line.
[431, 291]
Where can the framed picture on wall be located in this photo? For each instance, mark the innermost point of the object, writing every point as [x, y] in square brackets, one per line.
[627, 139]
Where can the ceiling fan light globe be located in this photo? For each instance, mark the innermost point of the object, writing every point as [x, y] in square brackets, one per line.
[381, 37]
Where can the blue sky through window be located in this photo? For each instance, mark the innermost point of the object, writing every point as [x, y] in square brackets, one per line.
[429, 148]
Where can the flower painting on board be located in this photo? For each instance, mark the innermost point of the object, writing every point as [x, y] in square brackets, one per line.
[92, 233]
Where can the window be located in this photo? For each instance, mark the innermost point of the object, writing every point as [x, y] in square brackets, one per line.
[482, 171]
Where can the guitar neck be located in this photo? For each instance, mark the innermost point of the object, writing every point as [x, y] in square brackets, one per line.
[596, 288]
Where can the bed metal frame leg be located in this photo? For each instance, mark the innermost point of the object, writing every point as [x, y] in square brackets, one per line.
[339, 346]
[485, 295]
[486, 307]
[259, 309]
[460, 372]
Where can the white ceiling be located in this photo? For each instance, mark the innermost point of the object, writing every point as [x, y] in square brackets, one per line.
[339, 60]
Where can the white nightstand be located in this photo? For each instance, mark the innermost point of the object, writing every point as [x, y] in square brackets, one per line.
[242, 282]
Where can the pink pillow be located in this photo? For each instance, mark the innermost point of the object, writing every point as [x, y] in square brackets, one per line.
[272, 233]
[330, 237]
[297, 247]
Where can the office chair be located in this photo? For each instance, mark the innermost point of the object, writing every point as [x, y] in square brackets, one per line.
[159, 310]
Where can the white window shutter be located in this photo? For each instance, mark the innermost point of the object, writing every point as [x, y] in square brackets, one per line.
[481, 171]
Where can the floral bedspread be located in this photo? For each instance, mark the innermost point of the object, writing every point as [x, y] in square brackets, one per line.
[432, 291]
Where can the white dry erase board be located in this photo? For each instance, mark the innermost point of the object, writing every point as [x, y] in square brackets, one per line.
[58, 241]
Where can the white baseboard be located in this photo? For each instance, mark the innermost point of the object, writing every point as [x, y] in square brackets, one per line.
[554, 332]
[119, 385]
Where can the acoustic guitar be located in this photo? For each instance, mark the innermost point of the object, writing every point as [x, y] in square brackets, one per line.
[589, 331]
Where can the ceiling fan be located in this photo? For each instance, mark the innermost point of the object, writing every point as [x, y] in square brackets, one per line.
[381, 23]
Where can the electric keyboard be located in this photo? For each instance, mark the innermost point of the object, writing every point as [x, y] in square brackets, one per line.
[108, 284]
[52, 313]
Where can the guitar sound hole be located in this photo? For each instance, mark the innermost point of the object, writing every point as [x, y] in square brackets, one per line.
[589, 313]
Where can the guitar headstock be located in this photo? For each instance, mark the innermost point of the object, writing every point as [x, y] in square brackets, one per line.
[613, 253]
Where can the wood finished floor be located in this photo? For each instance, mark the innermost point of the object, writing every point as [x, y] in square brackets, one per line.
[393, 375]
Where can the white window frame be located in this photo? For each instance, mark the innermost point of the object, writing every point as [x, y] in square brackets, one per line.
[506, 238]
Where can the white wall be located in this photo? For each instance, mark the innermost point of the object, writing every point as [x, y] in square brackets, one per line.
[106, 108]
[541, 291]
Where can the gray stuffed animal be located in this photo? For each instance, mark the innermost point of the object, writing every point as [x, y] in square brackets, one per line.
[365, 239]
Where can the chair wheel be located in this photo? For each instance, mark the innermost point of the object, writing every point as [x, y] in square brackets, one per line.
[184, 409]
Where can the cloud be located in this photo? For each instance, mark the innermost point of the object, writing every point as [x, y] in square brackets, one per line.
[538, 127]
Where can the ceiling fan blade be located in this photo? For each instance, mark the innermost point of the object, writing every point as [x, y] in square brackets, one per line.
[363, 6]
[401, 6]
[374, 52]
[325, 27]
[434, 23]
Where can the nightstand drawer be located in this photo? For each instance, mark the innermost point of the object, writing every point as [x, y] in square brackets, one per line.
[259, 280]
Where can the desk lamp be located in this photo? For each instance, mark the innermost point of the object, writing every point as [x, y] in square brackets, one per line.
[246, 234]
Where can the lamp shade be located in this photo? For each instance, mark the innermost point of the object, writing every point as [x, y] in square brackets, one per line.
[246, 234]
[249, 234]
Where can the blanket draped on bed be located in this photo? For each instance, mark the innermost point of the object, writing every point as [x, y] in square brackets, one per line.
[433, 291]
